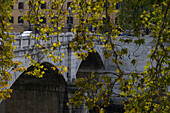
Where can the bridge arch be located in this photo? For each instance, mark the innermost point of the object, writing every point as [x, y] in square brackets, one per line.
[50, 75]
[33, 95]
[93, 62]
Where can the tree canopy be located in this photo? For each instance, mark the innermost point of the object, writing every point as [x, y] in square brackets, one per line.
[6, 49]
[146, 91]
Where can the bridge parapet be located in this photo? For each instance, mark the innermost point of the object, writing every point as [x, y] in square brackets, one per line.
[28, 42]
[25, 44]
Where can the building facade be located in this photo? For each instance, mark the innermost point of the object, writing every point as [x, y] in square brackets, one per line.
[21, 7]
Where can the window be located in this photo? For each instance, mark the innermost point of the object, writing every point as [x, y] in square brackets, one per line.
[116, 21]
[43, 6]
[43, 20]
[53, 19]
[53, 5]
[11, 20]
[117, 5]
[30, 6]
[107, 4]
[106, 20]
[12, 6]
[80, 4]
[92, 29]
[21, 5]
[68, 4]
[20, 20]
[69, 20]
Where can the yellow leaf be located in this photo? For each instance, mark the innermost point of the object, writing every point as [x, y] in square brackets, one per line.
[101, 110]
[25, 68]
[118, 71]
[144, 11]
[59, 28]
[87, 99]
[168, 93]
[65, 69]
[148, 63]
[15, 70]
[59, 43]
[52, 48]
[115, 11]
[42, 2]
[68, 103]
[115, 39]
[53, 68]
[41, 20]
[43, 72]
[104, 16]
[54, 44]
[133, 110]
[141, 16]
[146, 18]
[8, 24]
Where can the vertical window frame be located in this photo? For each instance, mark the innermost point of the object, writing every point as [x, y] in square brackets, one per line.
[11, 20]
[71, 20]
[44, 6]
[68, 4]
[20, 20]
[44, 20]
[118, 5]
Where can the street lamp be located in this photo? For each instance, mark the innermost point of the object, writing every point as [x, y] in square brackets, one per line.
[106, 5]
[69, 20]
[29, 29]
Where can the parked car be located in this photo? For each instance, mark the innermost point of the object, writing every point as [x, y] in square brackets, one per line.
[26, 33]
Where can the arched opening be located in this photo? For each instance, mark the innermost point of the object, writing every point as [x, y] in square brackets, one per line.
[92, 63]
[38, 95]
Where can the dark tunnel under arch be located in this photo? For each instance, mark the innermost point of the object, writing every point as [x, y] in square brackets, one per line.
[35, 95]
[51, 77]
[92, 63]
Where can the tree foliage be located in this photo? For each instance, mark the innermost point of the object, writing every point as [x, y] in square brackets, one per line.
[6, 49]
[146, 91]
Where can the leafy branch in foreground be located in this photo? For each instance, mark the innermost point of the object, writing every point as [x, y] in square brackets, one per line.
[6, 49]
[145, 91]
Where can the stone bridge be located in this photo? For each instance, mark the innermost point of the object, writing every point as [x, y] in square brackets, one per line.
[51, 93]
[75, 66]
[26, 45]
